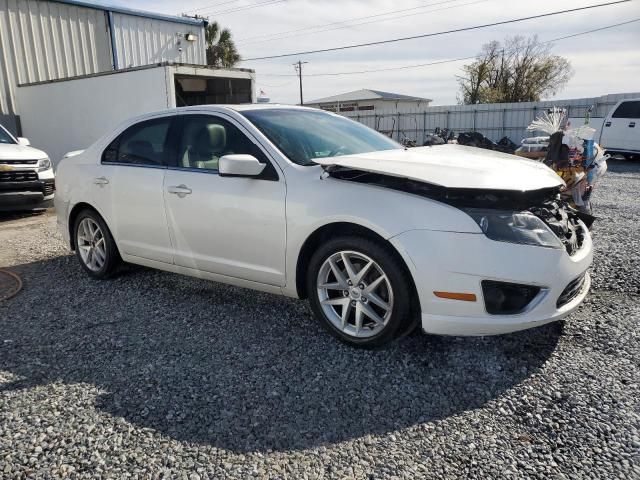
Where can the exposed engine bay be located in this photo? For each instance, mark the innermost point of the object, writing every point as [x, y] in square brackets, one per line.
[545, 203]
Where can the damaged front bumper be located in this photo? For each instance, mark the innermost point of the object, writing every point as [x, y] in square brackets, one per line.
[460, 262]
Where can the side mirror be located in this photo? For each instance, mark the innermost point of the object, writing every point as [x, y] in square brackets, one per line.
[23, 141]
[240, 165]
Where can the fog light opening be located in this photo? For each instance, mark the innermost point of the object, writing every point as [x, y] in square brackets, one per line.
[502, 298]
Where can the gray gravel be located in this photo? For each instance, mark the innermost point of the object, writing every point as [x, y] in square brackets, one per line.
[153, 375]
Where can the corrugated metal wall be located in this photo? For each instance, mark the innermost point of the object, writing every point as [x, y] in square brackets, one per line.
[143, 41]
[492, 120]
[45, 40]
[42, 40]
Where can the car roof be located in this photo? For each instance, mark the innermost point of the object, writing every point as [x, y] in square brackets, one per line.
[245, 107]
[217, 108]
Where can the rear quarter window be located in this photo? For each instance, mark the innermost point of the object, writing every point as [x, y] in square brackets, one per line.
[628, 110]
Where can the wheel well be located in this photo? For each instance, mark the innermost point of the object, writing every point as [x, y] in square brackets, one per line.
[342, 229]
[75, 211]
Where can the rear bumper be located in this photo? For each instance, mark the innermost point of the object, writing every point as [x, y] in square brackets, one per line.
[459, 262]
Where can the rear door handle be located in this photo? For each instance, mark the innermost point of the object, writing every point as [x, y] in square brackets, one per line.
[180, 190]
[100, 181]
[632, 124]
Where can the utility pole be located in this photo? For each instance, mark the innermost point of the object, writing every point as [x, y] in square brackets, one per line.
[298, 67]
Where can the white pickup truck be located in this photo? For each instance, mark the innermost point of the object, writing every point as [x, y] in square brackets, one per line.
[620, 132]
[26, 175]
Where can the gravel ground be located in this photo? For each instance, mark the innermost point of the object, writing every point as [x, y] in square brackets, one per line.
[153, 375]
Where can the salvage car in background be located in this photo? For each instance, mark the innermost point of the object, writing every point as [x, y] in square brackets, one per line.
[309, 204]
[26, 175]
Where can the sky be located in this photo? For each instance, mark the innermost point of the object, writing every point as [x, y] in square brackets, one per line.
[604, 62]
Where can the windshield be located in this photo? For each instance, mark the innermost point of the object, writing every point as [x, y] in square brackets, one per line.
[304, 135]
[5, 137]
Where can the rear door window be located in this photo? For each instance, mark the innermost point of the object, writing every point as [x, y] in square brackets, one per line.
[145, 143]
[628, 110]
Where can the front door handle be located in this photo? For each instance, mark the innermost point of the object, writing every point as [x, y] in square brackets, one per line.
[100, 181]
[608, 124]
[632, 124]
[180, 190]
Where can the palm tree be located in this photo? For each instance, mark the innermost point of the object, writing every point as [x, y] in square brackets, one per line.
[221, 50]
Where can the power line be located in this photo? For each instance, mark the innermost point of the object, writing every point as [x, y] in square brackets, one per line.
[439, 62]
[245, 7]
[371, 21]
[425, 35]
[213, 6]
[260, 84]
[346, 24]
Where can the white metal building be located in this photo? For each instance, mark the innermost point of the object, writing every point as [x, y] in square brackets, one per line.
[43, 40]
[370, 100]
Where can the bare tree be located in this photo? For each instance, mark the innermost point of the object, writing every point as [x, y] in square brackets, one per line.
[521, 70]
[221, 49]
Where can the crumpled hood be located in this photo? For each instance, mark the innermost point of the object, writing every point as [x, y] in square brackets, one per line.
[9, 151]
[453, 166]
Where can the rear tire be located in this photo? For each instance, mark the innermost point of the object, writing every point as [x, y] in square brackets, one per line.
[95, 247]
[360, 291]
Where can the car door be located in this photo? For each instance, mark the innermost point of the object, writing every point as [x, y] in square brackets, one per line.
[621, 130]
[231, 226]
[129, 189]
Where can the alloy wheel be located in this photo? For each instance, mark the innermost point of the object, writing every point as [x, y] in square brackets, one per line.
[355, 294]
[90, 242]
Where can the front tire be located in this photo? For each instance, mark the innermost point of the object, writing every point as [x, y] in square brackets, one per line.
[95, 248]
[359, 291]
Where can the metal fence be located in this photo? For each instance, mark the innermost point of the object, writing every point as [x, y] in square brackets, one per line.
[492, 120]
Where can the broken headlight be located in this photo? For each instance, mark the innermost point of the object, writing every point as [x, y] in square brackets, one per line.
[514, 227]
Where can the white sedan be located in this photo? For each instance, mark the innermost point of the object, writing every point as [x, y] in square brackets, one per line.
[308, 204]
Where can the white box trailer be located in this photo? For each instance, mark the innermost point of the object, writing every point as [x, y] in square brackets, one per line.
[60, 116]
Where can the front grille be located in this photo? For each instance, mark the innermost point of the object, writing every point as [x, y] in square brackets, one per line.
[572, 291]
[18, 162]
[563, 222]
[19, 176]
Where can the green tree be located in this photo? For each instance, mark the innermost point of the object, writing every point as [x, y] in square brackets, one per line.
[221, 49]
[521, 70]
